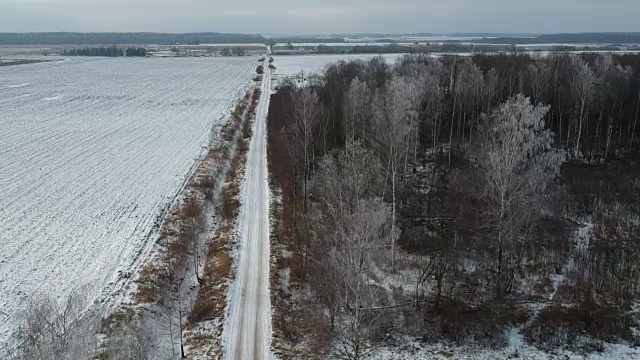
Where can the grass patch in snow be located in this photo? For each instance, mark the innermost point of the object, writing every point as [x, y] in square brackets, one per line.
[180, 227]
[210, 302]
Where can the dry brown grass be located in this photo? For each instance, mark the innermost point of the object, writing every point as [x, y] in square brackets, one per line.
[199, 340]
[147, 283]
[210, 302]
[211, 298]
[178, 228]
[183, 222]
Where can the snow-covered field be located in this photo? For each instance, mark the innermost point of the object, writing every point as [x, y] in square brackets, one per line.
[91, 151]
[287, 65]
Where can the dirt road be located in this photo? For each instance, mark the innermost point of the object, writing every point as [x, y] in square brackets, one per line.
[247, 332]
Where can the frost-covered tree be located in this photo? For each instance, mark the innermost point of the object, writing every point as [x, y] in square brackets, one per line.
[395, 123]
[53, 330]
[514, 166]
[583, 86]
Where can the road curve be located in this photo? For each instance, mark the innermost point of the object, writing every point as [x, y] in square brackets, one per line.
[247, 332]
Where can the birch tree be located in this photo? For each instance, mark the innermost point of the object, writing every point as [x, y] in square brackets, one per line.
[635, 120]
[305, 115]
[364, 232]
[357, 108]
[515, 165]
[583, 87]
[345, 176]
[539, 79]
[342, 228]
[52, 330]
[395, 120]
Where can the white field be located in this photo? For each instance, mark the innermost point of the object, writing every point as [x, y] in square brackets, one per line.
[287, 65]
[91, 151]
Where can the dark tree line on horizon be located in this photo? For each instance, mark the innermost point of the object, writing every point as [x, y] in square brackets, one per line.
[125, 38]
[111, 51]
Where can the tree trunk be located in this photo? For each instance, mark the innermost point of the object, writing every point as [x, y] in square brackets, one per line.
[393, 218]
[500, 248]
[609, 132]
[635, 122]
[453, 115]
[306, 174]
[582, 106]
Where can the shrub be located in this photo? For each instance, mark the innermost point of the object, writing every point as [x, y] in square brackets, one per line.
[455, 320]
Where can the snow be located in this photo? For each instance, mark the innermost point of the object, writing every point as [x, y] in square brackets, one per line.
[91, 152]
[412, 349]
[247, 332]
[419, 38]
[287, 65]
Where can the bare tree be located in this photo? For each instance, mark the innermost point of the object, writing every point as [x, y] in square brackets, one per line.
[583, 87]
[434, 95]
[357, 108]
[305, 115]
[52, 330]
[395, 117]
[363, 234]
[635, 120]
[347, 175]
[514, 167]
[468, 90]
[193, 227]
[343, 178]
[539, 79]
[173, 309]
[130, 339]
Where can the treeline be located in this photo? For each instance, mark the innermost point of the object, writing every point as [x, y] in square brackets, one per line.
[111, 51]
[451, 198]
[577, 38]
[71, 38]
[136, 51]
[413, 49]
[308, 39]
[234, 51]
[60, 38]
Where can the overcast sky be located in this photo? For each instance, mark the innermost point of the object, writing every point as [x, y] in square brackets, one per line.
[321, 16]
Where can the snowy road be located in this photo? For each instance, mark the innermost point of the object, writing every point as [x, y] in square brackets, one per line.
[247, 333]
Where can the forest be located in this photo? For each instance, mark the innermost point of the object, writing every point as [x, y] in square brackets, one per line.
[454, 198]
[72, 38]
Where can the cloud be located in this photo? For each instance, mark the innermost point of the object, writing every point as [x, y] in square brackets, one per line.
[320, 16]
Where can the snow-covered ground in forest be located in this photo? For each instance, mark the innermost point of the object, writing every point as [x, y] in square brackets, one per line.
[91, 151]
[516, 348]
